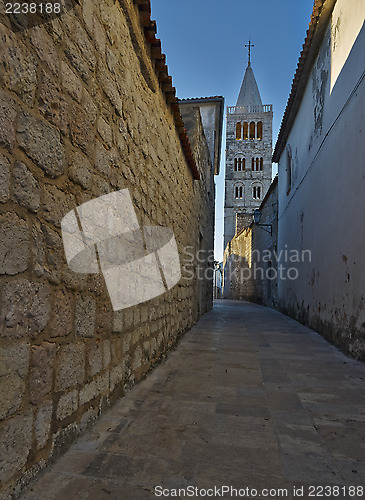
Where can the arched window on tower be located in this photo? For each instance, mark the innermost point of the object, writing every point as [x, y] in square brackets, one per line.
[261, 164]
[252, 130]
[257, 164]
[259, 131]
[245, 131]
[256, 192]
[238, 130]
[238, 192]
[239, 164]
[253, 164]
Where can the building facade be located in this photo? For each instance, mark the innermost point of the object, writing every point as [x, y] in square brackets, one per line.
[250, 267]
[321, 162]
[248, 156]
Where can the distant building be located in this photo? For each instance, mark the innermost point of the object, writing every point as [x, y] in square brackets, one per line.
[250, 270]
[321, 156]
[248, 156]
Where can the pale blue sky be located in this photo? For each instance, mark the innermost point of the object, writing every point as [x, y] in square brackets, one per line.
[204, 45]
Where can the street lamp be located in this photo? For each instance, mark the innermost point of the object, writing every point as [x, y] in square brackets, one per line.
[256, 220]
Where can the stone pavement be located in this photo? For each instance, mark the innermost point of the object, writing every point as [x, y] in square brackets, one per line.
[249, 399]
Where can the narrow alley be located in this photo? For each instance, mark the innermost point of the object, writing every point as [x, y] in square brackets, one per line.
[250, 400]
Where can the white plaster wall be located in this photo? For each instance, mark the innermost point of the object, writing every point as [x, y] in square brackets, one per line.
[325, 209]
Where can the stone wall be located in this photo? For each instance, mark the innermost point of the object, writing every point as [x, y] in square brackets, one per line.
[82, 114]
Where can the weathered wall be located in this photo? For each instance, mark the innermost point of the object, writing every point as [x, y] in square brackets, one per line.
[321, 210]
[250, 264]
[238, 280]
[82, 115]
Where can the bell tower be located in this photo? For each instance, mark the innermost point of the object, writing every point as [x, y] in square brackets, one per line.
[248, 155]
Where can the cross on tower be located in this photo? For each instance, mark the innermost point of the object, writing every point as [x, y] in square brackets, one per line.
[249, 51]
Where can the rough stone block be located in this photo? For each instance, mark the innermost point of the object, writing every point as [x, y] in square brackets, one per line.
[62, 314]
[118, 324]
[102, 384]
[99, 37]
[117, 375]
[146, 350]
[104, 317]
[105, 131]
[127, 338]
[71, 82]
[85, 316]
[106, 353]
[26, 308]
[99, 186]
[81, 132]
[84, 44]
[94, 363]
[42, 143]
[89, 106]
[15, 444]
[111, 91]
[67, 404]
[56, 204]
[80, 170]
[17, 67]
[45, 48]
[43, 424]
[104, 159]
[41, 370]
[88, 392]
[70, 366]
[26, 188]
[88, 15]
[8, 112]
[73, 54]
[53, 105]
[14, 361]
[4, 178]
[137, 358]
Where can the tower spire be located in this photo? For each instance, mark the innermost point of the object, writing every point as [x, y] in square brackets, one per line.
[249, 45]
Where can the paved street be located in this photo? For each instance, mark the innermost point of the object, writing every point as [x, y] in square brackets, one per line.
[249, 399]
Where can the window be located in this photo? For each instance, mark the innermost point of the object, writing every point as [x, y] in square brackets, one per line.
[257, 164]
[238, 130]
[238, 192]
[256, 192]
[252, 130]
[245, 131]
[239, 164]
[259, 131]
